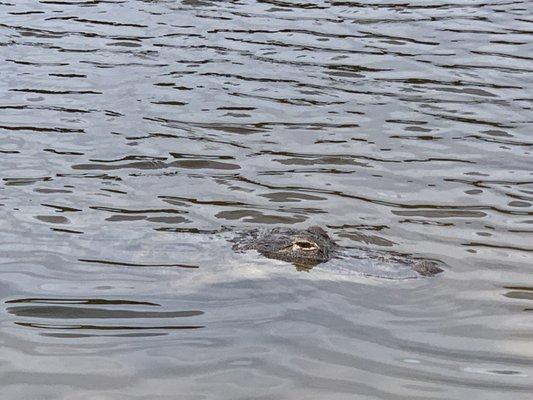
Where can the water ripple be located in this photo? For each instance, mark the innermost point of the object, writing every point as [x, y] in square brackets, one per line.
[137, 136]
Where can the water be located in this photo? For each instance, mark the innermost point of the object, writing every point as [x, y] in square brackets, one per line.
[136, 135]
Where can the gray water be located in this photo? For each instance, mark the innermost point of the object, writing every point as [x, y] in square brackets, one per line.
[135, 136]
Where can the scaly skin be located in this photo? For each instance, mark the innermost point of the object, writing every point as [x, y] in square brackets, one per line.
[306, 248]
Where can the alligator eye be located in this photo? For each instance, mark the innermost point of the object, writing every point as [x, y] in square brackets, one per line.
[305, 245]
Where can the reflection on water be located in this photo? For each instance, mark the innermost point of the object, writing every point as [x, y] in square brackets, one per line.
[60, 313]
[136, 136]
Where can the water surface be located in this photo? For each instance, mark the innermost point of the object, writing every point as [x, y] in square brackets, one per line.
[135, 136]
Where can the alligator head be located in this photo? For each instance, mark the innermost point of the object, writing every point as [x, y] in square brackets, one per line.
[305, 248]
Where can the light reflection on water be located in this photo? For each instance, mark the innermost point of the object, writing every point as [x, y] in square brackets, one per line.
[136, 136]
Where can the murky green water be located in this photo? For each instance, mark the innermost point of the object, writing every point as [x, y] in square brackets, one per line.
[136, 135]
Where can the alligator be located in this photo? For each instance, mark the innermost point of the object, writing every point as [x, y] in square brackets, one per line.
[306, 248]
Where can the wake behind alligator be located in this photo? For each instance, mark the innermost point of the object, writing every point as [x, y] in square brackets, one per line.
[307, 248]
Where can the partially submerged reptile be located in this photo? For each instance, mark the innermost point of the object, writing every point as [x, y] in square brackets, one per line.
[306, 248]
